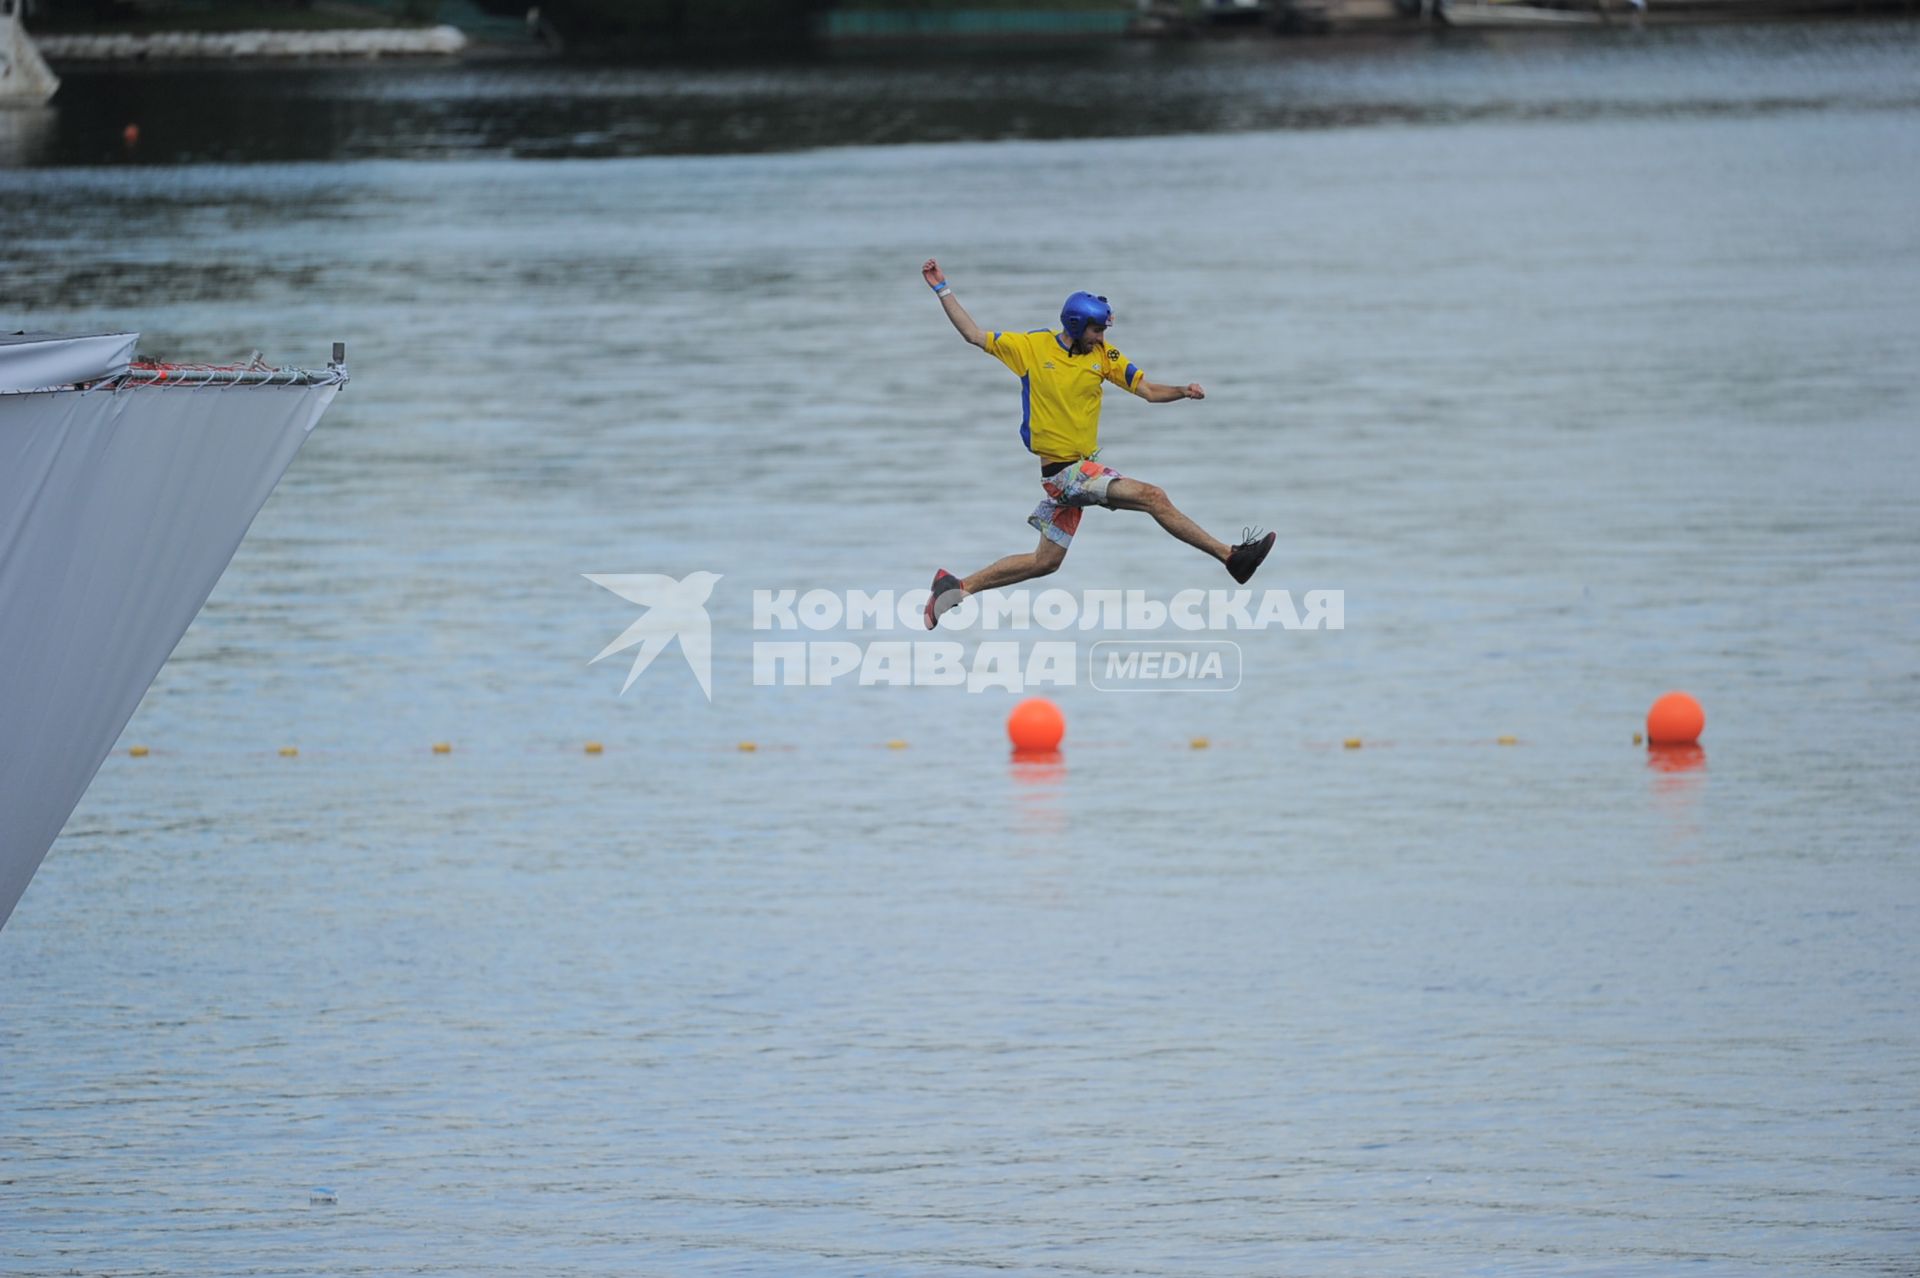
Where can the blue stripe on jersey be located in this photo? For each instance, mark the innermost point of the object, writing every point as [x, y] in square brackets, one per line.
[1131, 370]
[1026, 410]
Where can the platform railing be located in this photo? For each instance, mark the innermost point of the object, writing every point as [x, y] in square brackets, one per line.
[255, 372]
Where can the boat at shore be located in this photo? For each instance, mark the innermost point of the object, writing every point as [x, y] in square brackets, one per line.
[25, 78]
[125, 488]
[256, 46]
[1516, 13]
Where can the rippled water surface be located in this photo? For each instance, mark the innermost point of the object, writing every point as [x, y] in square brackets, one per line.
[1586, 370]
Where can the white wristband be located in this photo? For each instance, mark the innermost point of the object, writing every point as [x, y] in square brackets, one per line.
[942, 290]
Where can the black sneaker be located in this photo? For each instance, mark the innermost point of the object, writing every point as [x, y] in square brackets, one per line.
[1247, 555]
[947, 592]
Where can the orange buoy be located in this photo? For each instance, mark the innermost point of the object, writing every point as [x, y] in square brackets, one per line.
[1675, 719]
[130, 135]
[1036, 726]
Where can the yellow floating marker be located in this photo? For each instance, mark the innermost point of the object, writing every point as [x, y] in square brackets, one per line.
[288, 752]
[748, 747]
[443, 747]
[138, 752]
[594, 747]
[1637, 738]
[1199, 743]
[1352, 743]
[896, 744]
[1509, 740]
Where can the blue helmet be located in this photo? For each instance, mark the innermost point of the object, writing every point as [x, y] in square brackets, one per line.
[1082, 309]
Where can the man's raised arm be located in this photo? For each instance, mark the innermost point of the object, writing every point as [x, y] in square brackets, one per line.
[1155, 393]
[962, 322]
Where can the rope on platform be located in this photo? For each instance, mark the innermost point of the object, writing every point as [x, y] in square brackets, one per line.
[196, 376]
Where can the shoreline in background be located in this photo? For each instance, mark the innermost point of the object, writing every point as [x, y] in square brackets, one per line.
[854, 30]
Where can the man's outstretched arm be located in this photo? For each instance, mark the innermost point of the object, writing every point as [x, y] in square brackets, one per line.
[1155, 393]
[963, 322]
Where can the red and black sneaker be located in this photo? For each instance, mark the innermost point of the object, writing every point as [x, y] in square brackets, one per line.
[947, 592]
[1247, 555]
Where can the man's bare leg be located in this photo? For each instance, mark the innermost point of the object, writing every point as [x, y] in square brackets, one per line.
[949, 590]
[1131, 494]
[1046, 558]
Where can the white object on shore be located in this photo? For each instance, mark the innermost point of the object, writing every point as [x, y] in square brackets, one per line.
[1508, 13]
[121, 502]
[25, 78]
[374, 42]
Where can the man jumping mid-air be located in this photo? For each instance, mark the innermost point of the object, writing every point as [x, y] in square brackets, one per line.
[1061, 378]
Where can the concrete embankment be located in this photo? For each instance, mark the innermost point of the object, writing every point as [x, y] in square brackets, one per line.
[172, 46]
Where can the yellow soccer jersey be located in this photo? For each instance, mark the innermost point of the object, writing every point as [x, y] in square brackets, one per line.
[1059, 392]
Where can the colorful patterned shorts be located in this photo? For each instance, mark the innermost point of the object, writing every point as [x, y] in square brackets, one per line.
[1069, 491]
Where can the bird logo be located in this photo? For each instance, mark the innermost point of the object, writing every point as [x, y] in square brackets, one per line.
[674, 609]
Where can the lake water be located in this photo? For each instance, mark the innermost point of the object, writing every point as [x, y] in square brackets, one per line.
[1585, 368]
